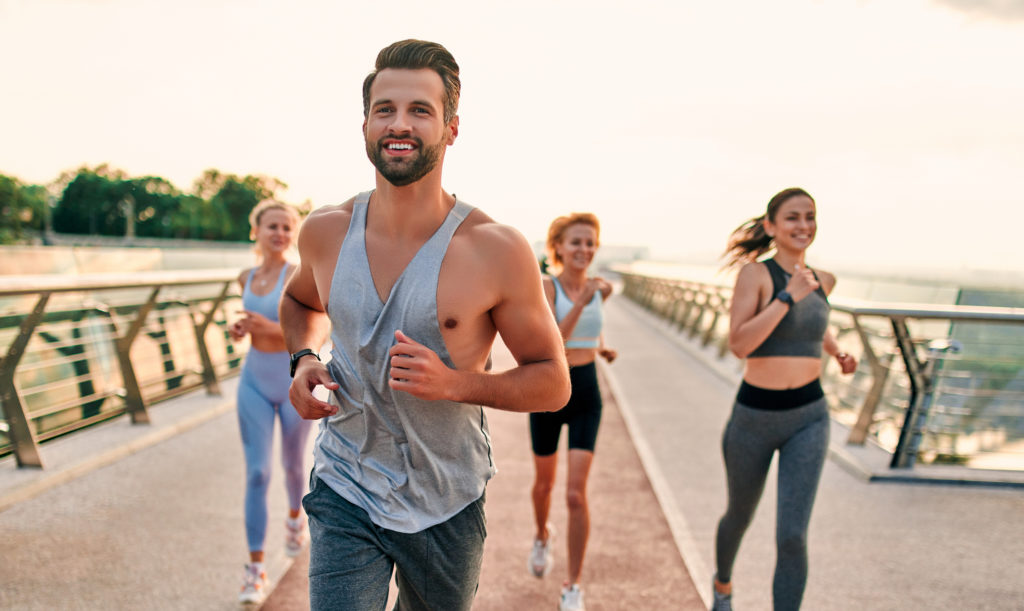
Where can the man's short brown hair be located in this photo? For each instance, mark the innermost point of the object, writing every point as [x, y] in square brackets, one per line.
[414, 55]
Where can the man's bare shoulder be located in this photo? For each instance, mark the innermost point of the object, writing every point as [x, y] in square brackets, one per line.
[323, 231]
[491, 238]
[327, 219]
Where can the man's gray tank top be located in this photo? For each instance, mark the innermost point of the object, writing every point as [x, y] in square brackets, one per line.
[410, 463]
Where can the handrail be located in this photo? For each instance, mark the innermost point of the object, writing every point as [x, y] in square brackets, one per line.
[920, 372]
[126, 322]
[918, 311]
[56, 283]
[684, 304]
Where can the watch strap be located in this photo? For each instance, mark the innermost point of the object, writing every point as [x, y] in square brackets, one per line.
[298, 355]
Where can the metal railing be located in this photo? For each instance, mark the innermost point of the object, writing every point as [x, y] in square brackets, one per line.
[926, 388]
[87, 348]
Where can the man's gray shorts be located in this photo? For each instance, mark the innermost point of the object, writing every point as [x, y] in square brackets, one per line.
[351, 558]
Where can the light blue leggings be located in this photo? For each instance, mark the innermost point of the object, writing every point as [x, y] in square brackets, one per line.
[263, 395]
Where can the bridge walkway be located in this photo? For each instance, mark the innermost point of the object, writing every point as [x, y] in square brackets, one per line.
[129, 517]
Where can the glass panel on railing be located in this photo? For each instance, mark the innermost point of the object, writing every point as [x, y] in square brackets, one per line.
[978, 418]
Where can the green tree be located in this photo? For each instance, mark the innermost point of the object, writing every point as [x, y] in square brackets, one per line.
[189, 222]
[231, 198]
[156, 204]
[92, 202]
[100, 201]
[22, 207]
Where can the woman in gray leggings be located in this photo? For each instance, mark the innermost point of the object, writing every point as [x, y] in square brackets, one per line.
[779, 324]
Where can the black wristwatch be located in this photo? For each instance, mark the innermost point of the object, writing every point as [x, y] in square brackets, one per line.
[785, 298]
[298, 355]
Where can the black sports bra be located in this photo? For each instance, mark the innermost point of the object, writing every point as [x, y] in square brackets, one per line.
[802, 329]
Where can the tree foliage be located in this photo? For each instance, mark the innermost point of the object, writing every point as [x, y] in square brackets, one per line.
[91, 203]
[231, 199]
[22, 207]
[101, 200]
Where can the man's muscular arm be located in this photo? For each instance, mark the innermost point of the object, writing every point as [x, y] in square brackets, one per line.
[539, 383]
[305, 325]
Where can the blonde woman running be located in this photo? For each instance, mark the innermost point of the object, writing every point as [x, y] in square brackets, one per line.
[263, 391]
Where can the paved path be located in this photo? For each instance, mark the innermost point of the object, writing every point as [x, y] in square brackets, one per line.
[631, 561]
[872, 545]
[150, 517]
[135, 517]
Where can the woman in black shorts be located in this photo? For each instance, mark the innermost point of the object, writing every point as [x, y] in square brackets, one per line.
[576, 300]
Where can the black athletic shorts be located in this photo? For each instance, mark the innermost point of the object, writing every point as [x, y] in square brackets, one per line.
[582, 414]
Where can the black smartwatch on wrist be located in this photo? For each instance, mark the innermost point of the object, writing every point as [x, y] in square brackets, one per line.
[785, 297]
[298, 355]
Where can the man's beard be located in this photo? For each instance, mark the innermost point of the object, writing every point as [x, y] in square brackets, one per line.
[402, 171]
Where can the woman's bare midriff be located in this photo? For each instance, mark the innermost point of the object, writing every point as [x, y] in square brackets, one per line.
[580, 356]
[268, 344]
[781, 372]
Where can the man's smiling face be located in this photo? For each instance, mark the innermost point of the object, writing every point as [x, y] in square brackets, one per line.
[405, 129]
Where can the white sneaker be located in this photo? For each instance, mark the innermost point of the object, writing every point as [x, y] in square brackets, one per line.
[254, 584]
[295, 536]
[540, 561]
[572, 598]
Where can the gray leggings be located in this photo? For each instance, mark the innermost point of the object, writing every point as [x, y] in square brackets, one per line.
[750, 440]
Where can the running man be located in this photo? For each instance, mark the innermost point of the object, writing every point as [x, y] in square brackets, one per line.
[412, 285]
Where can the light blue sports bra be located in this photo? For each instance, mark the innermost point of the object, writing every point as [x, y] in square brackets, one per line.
[587, 333]
[264, 304]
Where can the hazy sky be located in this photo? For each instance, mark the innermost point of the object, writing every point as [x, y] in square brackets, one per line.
[672, 120]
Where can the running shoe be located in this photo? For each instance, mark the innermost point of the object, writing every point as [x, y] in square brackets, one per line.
[540, 562]
[572, 598]
[253, 585]
[294, 537]
[720, 602]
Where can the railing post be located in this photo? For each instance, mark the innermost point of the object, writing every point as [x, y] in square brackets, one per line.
[901, 457]
[717, 302]
[655, 302]
[650, 292]
[879, 377]
[209, 373]
[676, 293]
[642, 289]
[701, 303]
[936, 349]
[134, 402]
[723, 341]
[20, 429]
[629, 288]
[667, 294]
[689, 296]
